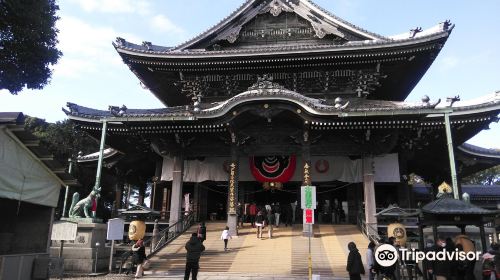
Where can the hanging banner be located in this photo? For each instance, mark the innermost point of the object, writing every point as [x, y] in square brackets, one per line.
[273, 168]
[232, 186]
[322, 169]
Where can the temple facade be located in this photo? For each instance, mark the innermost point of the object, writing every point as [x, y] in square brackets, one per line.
[282, 94]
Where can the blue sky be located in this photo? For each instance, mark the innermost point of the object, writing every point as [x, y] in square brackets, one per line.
[91, 73]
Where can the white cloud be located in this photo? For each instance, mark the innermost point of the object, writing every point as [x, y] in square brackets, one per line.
[88, 50]
[141, 7]
[163, 24]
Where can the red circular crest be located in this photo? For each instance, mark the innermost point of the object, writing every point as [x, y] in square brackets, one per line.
[322, 166]
[273, 168]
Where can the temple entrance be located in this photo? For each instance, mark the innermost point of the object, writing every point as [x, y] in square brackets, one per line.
[333, 203]
[216, 197]
[255, 192]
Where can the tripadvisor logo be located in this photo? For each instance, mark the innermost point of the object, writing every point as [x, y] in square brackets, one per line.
[386, 255]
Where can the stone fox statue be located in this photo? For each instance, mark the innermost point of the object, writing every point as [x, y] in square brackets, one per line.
[80, 208]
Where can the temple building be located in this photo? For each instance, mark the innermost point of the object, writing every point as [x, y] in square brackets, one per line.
[282, 94]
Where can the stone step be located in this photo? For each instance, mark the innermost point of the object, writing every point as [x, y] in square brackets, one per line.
[286, 253]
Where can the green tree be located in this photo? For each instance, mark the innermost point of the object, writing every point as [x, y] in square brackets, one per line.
[490, 176]
[61, 138]
[28, 39]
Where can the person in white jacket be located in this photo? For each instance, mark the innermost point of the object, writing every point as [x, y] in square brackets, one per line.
[225, 236]
[370, 260]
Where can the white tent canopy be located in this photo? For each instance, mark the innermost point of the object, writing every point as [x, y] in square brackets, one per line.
[23, 177]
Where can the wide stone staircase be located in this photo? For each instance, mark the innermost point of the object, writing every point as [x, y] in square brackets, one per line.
[285, 254]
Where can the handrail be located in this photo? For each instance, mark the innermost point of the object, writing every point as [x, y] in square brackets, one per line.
[167, 235]
[368, 230]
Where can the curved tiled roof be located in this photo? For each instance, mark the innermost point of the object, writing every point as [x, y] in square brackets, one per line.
[473, 190]
[250, 6]
[86, 112]
[450, 206]
[475, 150]
[158, 51]
[107, 153]
[276, 93]
[315, 106]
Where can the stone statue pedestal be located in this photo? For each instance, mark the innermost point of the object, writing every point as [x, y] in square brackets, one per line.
[80, 255]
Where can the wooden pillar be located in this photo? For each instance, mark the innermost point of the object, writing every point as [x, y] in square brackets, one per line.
[176, 200]
[165, 205]
[196, 201]
[483, 238]
[232, 194]
[421, 247]
[118, 199]
[129, 189]
[142, 194]
[369, 193]
[435, 232]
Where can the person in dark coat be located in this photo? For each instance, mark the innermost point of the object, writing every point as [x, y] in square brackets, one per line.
[194, 249]
[138, 256]
[441, 268]
[354, 263]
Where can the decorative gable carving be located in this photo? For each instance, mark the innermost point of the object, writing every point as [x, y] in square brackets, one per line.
[276, 7]
[245, 24]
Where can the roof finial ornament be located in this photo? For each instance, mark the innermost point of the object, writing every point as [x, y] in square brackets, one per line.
[120, 41]
[196, 101]
[446, 24]
[425, 99]
[453, 100]
[275, 7]
[338, 104]
[73, 108]
[265, 82]
[117, 111]
[426, 102]
[123, 110]
[414, 31]
[147, 44]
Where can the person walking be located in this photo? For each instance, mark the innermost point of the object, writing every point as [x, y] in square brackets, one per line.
[138, 257]
[370, 260]
[277, 213]
[270, 222]
[354, 262]
[202, 232]
[194, 249]
[225, 236]
[259, 223]
[253, 213]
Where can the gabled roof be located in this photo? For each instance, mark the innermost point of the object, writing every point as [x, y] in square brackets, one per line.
[450, 206]
[322, 21]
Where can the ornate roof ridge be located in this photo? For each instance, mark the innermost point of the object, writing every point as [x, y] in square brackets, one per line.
[215, 26]
[272, 49]
[346, 22]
